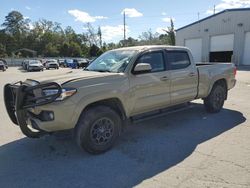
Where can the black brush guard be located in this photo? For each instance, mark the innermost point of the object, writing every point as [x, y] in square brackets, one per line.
[20, 97]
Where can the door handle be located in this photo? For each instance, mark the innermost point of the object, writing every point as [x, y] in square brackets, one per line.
[164, 78]
[192, 74]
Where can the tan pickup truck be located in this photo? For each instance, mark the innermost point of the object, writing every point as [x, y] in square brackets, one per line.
[118, 86]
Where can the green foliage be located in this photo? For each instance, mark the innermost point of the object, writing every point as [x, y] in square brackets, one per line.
[15, 23]
[95, 51]
[171, 34]
[48, 38]
[2, 50]
[51, 50]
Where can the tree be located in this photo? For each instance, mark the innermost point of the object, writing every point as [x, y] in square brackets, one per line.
[51, 50]
[91, 35]
[171, 33]
[15, 23]
[94, 51]
[74, 49]
[71, 49]
[2, 51]
[146, 36]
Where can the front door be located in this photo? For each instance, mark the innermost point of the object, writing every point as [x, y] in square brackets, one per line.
[151, 90]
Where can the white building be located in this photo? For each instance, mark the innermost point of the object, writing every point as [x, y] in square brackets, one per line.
[222, 37]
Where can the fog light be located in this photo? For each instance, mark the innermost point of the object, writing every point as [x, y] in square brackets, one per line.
[51, 115]
[46, 116]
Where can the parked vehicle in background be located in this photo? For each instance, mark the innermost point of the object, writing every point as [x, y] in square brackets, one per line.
[51, 64]
[82, 63]
[68, 62]
[25, 64]
[34, 65]
[75, 64]
[3, 66]
[121, 85]
[43, 61]
[5, 63]
[60, 62]
[79, 63]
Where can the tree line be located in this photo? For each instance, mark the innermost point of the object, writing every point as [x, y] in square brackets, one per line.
[49, 39]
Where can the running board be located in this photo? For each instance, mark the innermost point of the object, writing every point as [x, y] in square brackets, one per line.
[161, 112]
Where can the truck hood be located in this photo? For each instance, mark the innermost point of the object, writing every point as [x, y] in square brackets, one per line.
[72, 76]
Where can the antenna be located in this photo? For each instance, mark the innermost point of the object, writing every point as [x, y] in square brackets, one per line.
[214, 9]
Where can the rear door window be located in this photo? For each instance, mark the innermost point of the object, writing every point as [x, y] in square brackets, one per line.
[178, 59]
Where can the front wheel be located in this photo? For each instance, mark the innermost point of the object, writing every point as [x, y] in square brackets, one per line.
[97, 129]
[215, 100]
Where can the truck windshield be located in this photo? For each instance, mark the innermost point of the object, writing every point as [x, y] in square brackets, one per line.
[112, 61]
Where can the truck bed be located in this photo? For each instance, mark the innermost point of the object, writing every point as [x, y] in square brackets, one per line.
[209, 72]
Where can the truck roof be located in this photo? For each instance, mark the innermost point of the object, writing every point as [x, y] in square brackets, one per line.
[149, 47]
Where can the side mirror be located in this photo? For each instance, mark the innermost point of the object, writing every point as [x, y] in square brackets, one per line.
[142, 68]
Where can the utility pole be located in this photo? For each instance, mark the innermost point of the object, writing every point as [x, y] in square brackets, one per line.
[214, 9]
[198, 16]
[124, 26]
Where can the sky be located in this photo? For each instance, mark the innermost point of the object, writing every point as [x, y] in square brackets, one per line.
[140, 15]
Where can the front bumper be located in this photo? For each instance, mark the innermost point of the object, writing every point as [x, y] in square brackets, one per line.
[53, 66]
[20, 101]
[35, 68]
[2, 67]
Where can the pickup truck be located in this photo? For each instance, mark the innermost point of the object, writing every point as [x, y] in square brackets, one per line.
[119, 86]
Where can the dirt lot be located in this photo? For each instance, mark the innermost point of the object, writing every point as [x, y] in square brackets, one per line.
[187, 149]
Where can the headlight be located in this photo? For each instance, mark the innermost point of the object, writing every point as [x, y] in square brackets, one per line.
[66, 92]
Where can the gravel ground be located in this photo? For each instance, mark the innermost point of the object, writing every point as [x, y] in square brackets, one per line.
[189, 148]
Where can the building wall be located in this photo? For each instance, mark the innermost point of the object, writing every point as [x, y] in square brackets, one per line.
[221, 24]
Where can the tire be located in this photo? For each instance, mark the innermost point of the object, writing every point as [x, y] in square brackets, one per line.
[97, 129]
[215, 100]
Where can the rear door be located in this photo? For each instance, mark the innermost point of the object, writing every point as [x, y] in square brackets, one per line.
[151, 90]
[184, 77]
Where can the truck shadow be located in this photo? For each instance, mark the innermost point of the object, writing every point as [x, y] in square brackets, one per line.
[143, 151]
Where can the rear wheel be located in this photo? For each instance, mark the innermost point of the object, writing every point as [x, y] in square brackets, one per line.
[97, 129]
[215, 100]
